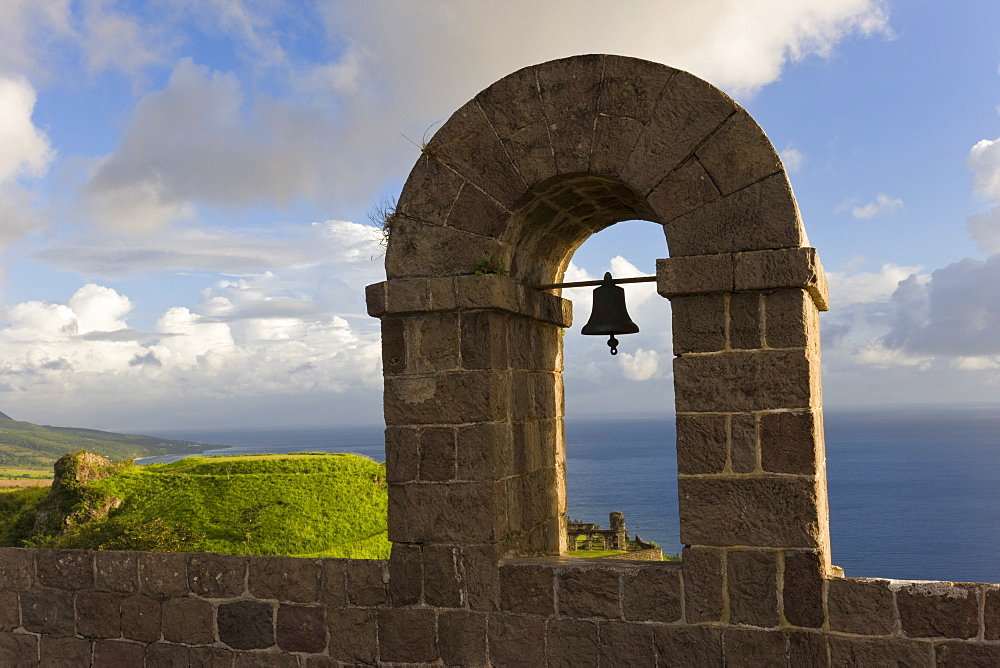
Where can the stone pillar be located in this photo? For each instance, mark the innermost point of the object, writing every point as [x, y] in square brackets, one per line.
[750, 454]
[475, 458]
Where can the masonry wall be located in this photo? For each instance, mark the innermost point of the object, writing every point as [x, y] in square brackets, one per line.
[79, 608]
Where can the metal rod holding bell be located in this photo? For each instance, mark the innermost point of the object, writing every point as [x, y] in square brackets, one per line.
[609, 316]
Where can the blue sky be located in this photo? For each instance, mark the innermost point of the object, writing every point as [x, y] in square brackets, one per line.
[185, 189]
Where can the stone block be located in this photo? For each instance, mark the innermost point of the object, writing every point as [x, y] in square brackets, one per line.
[614, 137]
[762, 216]
[393, 346]
[589, 592]
[848, 651]
[17, 568]
[687, 110]
[447, 398]
[301, 628]
[488, 291]
[512, 102]
[743, 455]
[333, 582]
[744, 312]
[483, 451]
[792, 319]
[65, 569]
[533, 395]
[210, 657]
[163, 574]
[407, 635]
[433, 343]
[528, 589]
[702, 572]
[17, 649]
[62, 652]
[428, 194]
[631, 87]
[685, 189]
[627, 642]
[531, 153]
[569, 90]
[686, 646]
[118, 654]
[516, 640]
[116, 571]
[261, 660]
[406, 574]
[991, 613]
[698, 323]
[140, 618]
[774, 512]
[753, 587]
[188, 620]
[10, 611]
[285, 579]
[482, 579]
[572, 643]
[807, 648]
[442, 576]
[376, 299]
[98, 614]
[352, 634]
[467, 144]
[445, 512]
[462, 638]
[438, 454]
[164, 655]
[788, 442]
[408, 295]
[246, 624]
[698, 275]
[217, 575]
[802, 594]
[485, 340]
[47, 611]
[738, 154]
[417, 250]
[476, 212]
[402, 454]
[938, 609]
[860, 605]
[653, 594]
[745, 647]
[966, 655]
[538, 345]
[366, 582]
[782, 267]
[741, 382]
[701, 444]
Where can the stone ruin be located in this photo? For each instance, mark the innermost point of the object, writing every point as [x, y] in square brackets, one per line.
[520, 176]
[613, 538]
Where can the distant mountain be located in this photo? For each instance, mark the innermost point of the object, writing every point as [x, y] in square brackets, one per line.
[27, 445]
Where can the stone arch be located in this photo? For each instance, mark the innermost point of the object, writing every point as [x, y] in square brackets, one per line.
[522, 174]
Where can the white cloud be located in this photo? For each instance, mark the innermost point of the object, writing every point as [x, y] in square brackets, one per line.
[881, 204]
[792, 159]
[24, 149]
[642, 365]
[847, 289]
[984, 163]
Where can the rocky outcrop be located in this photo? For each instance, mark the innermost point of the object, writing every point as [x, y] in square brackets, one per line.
[69, 502]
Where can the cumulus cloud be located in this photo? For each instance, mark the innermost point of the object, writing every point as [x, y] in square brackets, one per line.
[24, 149]
[984, 163]
[642, 365]
[882, 204]
[792, 159]
[866, 287]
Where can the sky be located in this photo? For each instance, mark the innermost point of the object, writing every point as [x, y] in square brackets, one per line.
[186, 189]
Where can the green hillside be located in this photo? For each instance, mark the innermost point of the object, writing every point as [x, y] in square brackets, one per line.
[310, 504]
[27, 445]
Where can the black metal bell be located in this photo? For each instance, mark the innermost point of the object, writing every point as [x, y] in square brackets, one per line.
[609, 315]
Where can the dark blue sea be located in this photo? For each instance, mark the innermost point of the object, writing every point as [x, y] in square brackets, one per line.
[914, 494]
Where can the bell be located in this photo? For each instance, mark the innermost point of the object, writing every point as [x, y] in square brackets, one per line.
[609, 315]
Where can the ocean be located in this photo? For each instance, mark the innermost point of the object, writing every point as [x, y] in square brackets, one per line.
[914, 494]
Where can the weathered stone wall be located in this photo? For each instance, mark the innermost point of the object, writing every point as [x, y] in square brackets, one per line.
[747, 608]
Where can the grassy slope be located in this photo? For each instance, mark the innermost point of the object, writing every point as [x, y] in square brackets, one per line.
[27, 445]
[331, 505]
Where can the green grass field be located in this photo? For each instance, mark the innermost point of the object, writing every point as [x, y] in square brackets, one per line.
[308, 504]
